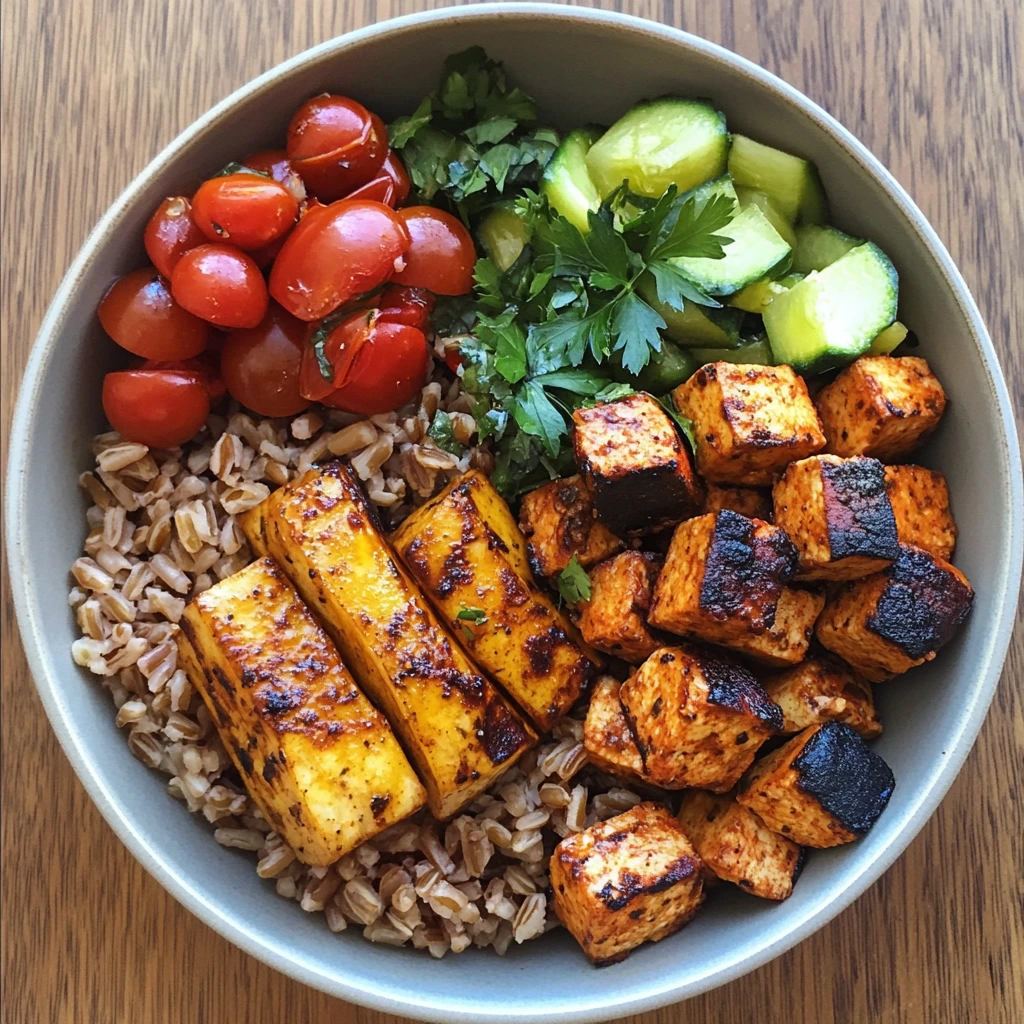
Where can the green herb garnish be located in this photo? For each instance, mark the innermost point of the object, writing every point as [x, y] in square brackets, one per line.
[443, 436]
[573, 583]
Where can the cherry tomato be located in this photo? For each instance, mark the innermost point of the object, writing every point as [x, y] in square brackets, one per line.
[202, 367]
[266, 254]
[441, 255]
[275, 162]
[170, 232]
[261, 365]
[158, 408]
[139, 313]
[400, 305]
[453, 358]
[391, 186]
[221, 284]
[246, 210]
[336, 254]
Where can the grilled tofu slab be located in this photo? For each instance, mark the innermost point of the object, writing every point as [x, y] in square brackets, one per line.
[459, 731]
[320, 761]
[920, 502]
[787, 640]
[609, 743]
[467, 553]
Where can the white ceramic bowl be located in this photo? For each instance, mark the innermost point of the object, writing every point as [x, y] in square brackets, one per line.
[582, 66]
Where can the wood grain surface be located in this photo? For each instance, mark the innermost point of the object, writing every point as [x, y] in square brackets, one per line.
[93, 88]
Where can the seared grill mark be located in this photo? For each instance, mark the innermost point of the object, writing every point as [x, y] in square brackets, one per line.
[731, 685]
[858, 511]
[502, 734]
[616, 896]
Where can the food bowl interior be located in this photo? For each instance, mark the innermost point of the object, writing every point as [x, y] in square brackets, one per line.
[580, 69]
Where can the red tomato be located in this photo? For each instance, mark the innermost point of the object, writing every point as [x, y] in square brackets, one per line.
[441, 255]
[453, 358]
[336, 254]
[266, 254]
[139, 313]
[261, 365]
[400, 305]
[221, 284]
[391, 186]
[247, 210]
[275, 162]
[158, 408]
[170, 232]
[202, 367]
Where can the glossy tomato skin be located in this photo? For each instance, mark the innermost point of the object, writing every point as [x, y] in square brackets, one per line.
[247, 210]
[275, 162]
[141, 315]
[171, 232]
[204, 367]
[391, 186]
[222, 285]
[335, 254]
[400, 305]
[260, 366]
[441, 256]
[158, 408]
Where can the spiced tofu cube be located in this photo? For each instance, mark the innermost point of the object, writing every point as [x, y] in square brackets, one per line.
[750, 422]
[825, 787]
[887, 623]
[737, 847]
[920, 503]
[636, 466]
[559, 521]
[722, 578]
[697, 717]
[837, 513]
[614, 619]
[884, 406]
[752, 502]
[609, 743]
[787, 639]
[823, 689]
[632, 879]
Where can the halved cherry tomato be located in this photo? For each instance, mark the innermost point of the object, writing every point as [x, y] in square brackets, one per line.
[170, 232]
[275, 162]
[247, 210]
[441, 256]
[400, 305]
[139, 313]
[222, 285]
[203, 367]
[158, 408]
[336, 254]
[261, 365]
[391, 186]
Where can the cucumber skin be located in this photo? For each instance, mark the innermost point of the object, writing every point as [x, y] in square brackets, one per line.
[566, 181]
[666, 370]
[799, 193]
[755, 353]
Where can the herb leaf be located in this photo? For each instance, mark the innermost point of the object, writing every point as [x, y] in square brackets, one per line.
[475, 615]
[442, 434]
[674, 286]
[573, 583]
[687, 231]
[684, 423]
[535, 414]
[636, 327]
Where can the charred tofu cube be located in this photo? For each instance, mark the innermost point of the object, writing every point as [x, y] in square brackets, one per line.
[609, 743]
[920, 503]
[887, 623]
[632, 879]
[750, 422]
[735, 845]
[821, 690]
[722, 578]
[318, 759]
[752, 502]
[559, 521]
[636, 466]
[697, 718]
[614, 619]
[787, 639]
[837, 513]
[825, 787]
[465, 550]
[883, 406]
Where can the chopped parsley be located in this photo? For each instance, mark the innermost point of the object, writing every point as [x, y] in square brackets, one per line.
[573, 583]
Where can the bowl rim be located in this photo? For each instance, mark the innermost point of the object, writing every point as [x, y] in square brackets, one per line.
[77, 746]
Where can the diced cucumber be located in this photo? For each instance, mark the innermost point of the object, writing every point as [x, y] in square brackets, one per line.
[567, 182]
[832, 316]
[757, 295]
[819, 245]
[768, 206]
[693, 324]
[667, 369]
[756, 352]
[887, 340]
[791, 181]
[503, 235]
[660, 143]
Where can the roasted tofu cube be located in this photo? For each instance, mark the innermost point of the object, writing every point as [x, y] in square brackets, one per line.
[614, 619]
[920, 503]
[787, 639]
[697, 717]
[465, 551]
[459, 731]
[559, 521]
[636, 466]
[722, 578]
[887, 623]
[735, 845]
[837, 513]
[253, 525]
[883, 406]
[318, 759]
[609, 743]
[752, 502]
[825, 787]
[750, 422]
[823, 689]
[632, 879]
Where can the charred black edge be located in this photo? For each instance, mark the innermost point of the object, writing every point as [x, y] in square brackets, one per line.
[858, 512]
[733, 686]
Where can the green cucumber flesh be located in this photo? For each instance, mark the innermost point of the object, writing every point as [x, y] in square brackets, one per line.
[693, 324]
[756, 352]
[755, 296]
[768, 206]
[503, 235]
[888, 339]
[566, 181]
[791, 181]
[819, 246]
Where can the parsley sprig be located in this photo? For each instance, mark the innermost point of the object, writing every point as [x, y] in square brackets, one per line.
[573, 583]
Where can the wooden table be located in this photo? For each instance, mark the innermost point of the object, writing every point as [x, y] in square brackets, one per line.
[92, 89]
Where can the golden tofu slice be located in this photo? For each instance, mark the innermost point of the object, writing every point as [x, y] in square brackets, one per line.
[614, 618]
[752, 502]
[466, 552]
[606, 737]
[920, 503]
[632, 879]
[787, 640]
[459, 731]
[317, 757]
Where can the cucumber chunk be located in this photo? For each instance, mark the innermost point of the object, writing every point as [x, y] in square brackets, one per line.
[757, 295]
[503, 235]
[886, 340]
[819, 246]
[832, 316]
[567, 182]
[660, 143]
[756, 352]
[768, 206]
[792, 182]
[693, 324]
